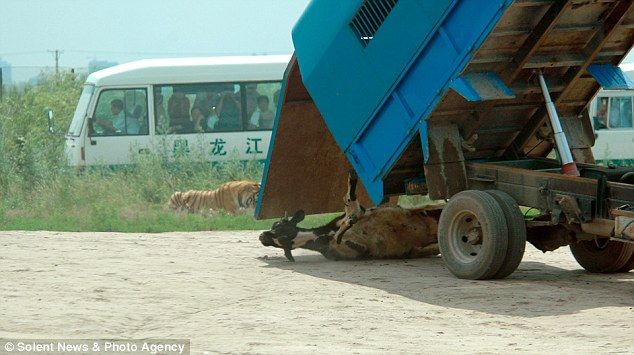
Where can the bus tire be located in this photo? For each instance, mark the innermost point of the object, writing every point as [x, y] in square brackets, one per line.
[473, 235]
[516, 233]
[602, 255]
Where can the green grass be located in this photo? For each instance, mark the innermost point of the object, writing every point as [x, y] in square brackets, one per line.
[130, 200]
[149, 220]
[125, 201]
[39, 192]
[529, 212]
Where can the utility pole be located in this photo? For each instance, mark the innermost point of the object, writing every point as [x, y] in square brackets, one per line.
[56, 54]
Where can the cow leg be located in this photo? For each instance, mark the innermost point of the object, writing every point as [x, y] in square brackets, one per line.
[430, 250]
[352, 207]
[359, 249]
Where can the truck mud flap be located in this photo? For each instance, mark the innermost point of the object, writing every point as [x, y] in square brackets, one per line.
[305, 168]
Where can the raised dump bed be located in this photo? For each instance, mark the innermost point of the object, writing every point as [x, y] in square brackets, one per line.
[444, 96]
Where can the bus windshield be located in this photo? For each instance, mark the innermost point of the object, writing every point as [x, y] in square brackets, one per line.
[80, 111]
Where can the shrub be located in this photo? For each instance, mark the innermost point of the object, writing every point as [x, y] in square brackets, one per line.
[39, 191]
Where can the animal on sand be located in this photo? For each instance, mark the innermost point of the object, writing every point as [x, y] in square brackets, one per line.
[234, 197]
[382, 232]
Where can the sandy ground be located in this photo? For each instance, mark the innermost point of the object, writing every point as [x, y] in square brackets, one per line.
[229, 294]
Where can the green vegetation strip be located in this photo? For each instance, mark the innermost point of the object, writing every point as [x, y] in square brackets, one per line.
[39, 192]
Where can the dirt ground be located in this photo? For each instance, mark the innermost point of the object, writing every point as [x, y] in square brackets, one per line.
[229, 294]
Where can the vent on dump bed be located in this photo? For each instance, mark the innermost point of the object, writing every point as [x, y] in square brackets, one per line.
[370, 17]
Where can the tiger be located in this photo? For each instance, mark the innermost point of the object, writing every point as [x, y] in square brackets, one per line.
[234, 197]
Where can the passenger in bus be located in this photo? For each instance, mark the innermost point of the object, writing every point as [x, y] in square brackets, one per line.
[162, 122]
[228, 112]
[620, 112]
[120, 123]
[263, 117]
[252, 95]
[212, 120]
[601, 119]
[206, 101]
[198, 119]
[136, 103]
[178, 110]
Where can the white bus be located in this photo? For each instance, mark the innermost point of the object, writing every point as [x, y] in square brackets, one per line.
[209, 108]
[613, 122]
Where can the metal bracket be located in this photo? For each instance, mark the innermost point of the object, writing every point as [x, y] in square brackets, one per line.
[482, 86]
[610, 77]
[600, 207]
[570, 207]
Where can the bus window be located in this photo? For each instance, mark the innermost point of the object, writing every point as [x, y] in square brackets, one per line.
[121, 112]
[215, 107]
[263, 114]
[161, 120]
[620, 113]
[251, 96]
[196, 108]
[229, 109]
[601, 115]
[80, 112]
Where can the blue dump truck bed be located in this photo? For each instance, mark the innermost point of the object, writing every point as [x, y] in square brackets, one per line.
[405, 92]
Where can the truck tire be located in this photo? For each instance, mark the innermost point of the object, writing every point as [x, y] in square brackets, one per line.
[602, 255]
[629, 266]
[516, 233]
[473, 235]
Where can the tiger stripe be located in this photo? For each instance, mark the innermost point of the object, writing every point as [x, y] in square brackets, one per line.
[234, 197]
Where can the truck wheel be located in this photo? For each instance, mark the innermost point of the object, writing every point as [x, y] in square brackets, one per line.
[603, 255]
[516, 233]
[629, 266]
[472, 235]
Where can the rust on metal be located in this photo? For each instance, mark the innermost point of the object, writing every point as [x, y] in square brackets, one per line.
[538, 189]
[621, 212]
[570, 207]
[444, 170]
[599, 226]
[624, 227]
[549, 238]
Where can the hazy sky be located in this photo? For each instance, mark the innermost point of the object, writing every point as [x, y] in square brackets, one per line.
[124, 30]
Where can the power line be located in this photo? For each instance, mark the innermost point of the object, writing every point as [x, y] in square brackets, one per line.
[11, 66]
[21, 53]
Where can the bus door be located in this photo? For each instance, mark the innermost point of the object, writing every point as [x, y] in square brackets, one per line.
[118, 129]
